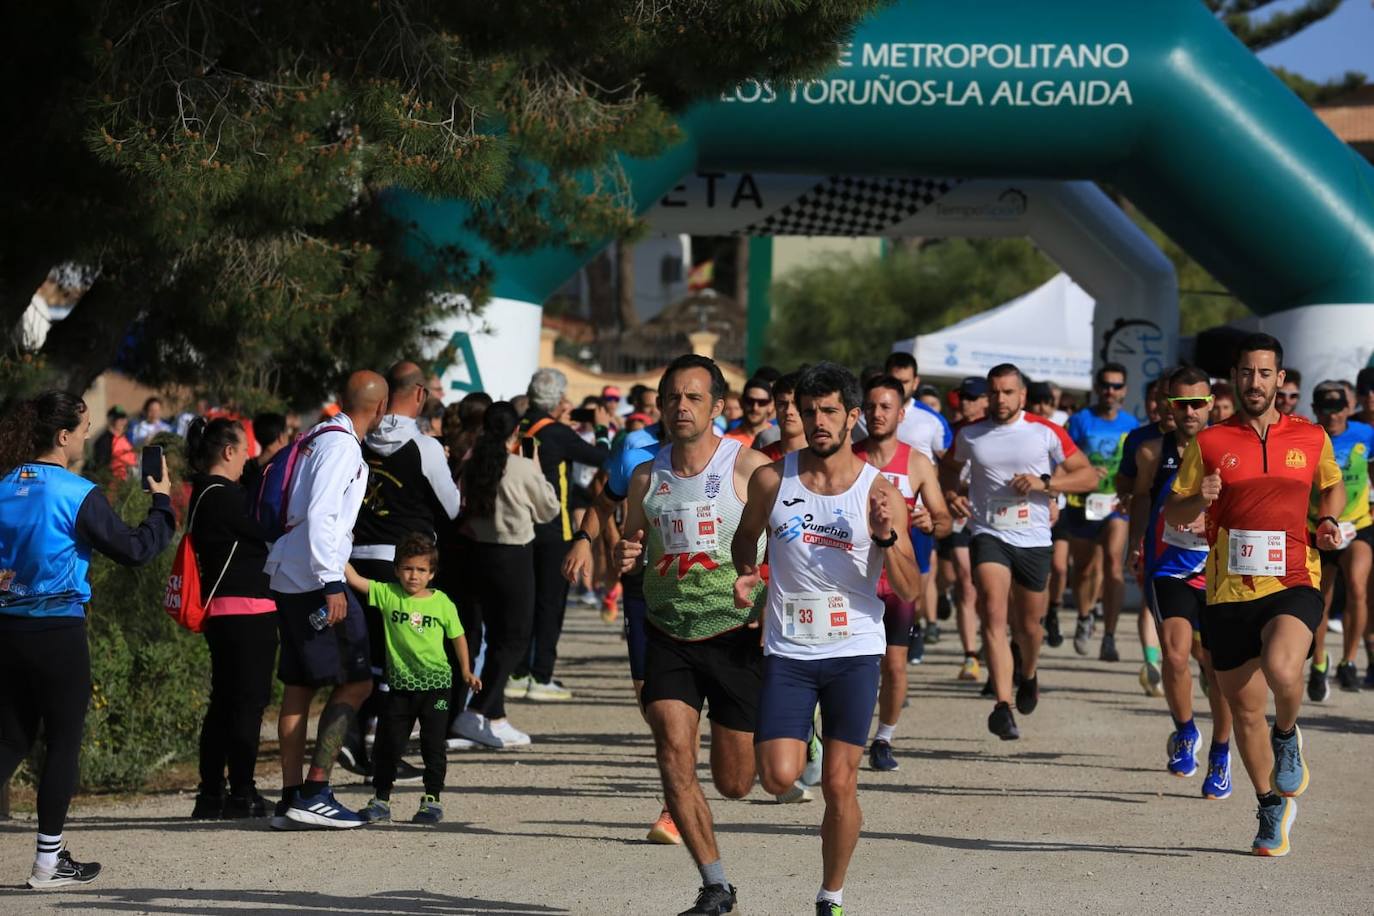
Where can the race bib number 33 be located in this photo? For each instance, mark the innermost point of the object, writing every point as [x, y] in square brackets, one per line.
[815, 618]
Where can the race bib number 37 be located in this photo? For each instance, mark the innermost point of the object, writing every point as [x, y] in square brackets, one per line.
[1256, 553]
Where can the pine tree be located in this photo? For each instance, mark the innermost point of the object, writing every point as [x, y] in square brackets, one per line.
[218, 172]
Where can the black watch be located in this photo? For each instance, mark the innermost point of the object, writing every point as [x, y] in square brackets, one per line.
[581, 535]
[1045, 479]
[1329, 518]
[891, 539]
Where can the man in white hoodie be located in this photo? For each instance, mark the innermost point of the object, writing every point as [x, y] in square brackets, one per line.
[409, 490]
[323, 633]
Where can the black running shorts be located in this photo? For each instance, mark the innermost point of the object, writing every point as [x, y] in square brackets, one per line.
[1233, 631]
[318, 658]
[724, 672]
[1332, 557]
[1171, 597]
[1030, 566]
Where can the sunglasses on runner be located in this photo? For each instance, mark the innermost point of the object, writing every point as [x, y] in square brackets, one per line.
[1114, 386]
[1192, 403]
[757, 402]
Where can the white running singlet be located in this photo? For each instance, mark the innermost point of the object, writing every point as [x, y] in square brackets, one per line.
[997, 452]
[824, 567]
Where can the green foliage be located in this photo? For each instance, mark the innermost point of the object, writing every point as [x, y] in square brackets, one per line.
[1202, 301]
[851, 310]
[221, 170]
[1314, 93]
[1257, 31]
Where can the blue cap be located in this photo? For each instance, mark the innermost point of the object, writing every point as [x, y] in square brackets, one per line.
[975, 386]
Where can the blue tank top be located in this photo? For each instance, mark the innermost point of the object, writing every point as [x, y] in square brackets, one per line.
[635, 449]
[38, 508]
[1162, 558]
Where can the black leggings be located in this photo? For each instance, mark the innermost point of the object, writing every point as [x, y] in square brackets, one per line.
[243, 654]
[502, 575]
[45, 679]
[550, 602]
[402, 708]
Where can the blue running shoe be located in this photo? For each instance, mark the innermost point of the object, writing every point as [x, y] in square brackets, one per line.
[1185, 752]
[1290, 775]
[323, 810]
[1275, 822]
[880, 757]
[1217, 783]
[376, 811]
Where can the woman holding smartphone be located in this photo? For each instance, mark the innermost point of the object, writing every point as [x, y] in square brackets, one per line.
[50, 522]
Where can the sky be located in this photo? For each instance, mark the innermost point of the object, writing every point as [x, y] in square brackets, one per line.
[1343, 41]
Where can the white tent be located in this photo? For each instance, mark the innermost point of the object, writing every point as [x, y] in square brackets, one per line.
[1047, 333]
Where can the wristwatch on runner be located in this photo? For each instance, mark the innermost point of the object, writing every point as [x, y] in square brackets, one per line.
[1045, 479]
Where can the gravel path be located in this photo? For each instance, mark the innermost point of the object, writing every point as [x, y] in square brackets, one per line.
[1077, 817]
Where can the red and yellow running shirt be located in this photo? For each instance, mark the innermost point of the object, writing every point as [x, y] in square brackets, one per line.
[1257, 528]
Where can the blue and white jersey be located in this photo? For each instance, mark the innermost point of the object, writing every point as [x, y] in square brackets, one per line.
[39, 504]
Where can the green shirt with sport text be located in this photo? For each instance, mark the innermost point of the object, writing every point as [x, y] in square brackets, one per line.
[416, 629]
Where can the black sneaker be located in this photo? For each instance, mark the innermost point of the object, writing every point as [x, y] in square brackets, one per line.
[932, 632]
[880, 757]
[1002, 723]
[67, 872]
[243, 805]
[1028, 695]
[1318, 688]
[944, 606]
[712, 900]
[208, 807]
[1053, 637]
[1108, 652]
[407, 774]
[1347, 677]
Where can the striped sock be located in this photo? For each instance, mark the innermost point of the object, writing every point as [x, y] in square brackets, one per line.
[48, 848]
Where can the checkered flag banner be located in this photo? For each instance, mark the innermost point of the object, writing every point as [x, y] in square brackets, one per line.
[853, 206]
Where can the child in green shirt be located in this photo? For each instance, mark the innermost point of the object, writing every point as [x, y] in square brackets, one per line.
[417, 619]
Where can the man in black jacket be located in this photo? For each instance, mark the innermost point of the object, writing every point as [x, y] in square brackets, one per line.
[409, 490]
[559, 447]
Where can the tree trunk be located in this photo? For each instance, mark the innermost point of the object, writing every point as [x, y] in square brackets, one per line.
[741, 293]
[625, 285]
[601, 300]
[86, 342]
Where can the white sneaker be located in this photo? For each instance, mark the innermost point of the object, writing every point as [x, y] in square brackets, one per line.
[477, 728]
[510, 735]
[518, 687]
[552, 692]
[796, 795]
[1334, 625]
[459, 744]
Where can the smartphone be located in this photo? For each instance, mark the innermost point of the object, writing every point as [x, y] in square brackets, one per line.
[527, 446]
[151, 465]
[583, 415]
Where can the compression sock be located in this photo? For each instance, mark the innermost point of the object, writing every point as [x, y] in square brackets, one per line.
[1153, 655]
[713, 873]
[49, 845]
[885, 732]
[835, 897]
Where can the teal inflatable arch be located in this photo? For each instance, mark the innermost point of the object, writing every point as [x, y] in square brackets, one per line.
[1156, 99]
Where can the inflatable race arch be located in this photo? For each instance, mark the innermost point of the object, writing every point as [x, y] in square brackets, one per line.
[935, 111]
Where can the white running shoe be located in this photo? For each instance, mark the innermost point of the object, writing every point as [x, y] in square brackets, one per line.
[795, 795]
[552, 692]
[455, 743]
[518, 687]
[509, 735]
[476, 728]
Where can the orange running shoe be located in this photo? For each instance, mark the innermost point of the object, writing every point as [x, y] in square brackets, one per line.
[664, 831]
[610, 605]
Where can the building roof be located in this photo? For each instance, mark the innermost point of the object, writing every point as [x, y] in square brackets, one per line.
[1352, 119]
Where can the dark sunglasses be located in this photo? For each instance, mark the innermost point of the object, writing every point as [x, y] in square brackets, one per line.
[1192, 403]
[757, 402]
[1114, 386]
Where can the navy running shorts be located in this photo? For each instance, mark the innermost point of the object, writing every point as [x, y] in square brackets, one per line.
[636, 637]
[846, 689]
[340, 654]
[924, 545]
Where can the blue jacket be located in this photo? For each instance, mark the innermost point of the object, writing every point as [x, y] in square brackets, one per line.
[50, 520]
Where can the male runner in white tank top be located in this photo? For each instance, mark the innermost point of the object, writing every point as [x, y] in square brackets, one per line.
[1019, 461]
[916, 480]
[834, 523]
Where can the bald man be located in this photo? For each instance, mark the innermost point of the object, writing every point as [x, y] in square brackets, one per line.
[323, 632]
[410, 488]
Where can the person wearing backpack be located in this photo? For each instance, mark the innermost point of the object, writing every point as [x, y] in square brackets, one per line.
[241, 618]
[323, 633]
[50, 522]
